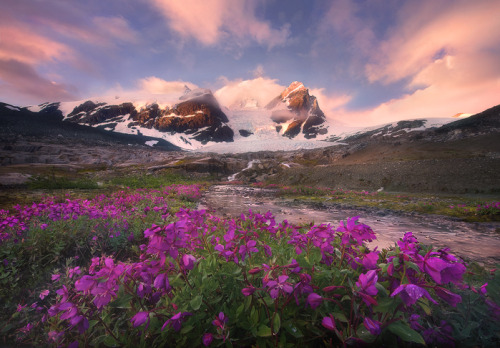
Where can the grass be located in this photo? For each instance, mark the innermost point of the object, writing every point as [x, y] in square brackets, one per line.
[462, 207]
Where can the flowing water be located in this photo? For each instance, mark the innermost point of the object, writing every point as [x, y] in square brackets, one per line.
[475, 241]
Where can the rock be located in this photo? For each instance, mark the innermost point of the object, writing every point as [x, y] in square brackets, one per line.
[245, 133]
[14, 179]
[299, 107]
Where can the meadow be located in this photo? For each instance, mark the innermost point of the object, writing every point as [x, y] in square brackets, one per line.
[135, 264]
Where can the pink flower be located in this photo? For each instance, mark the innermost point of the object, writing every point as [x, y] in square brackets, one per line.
[329, 323]
[314, 300]
[188, 261]
[139, 319]
[176, 321]
[410, 293]
[372, 325]
[55, 277]
[451, 298]
[44, 294]
[207, 339]
[248, 291]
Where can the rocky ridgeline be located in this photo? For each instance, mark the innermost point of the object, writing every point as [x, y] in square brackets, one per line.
[302, 112]
[197, 114]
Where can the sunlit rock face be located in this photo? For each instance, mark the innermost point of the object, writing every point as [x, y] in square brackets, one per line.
[299, 110]
[197, 114]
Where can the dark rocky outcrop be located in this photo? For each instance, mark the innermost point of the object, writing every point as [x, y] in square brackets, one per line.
[245, 133]
[301, 108]
[198, 114]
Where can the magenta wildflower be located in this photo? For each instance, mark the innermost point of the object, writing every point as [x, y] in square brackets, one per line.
[483, 289]
[329, 323]
[441, 271]
[161, 282]
[73, 271]
[176, 321]
[372, 325]
[81, 322]
[69, 310]
[139, 319]
[220, 321]
[451, 298]
[188, 261]
[73, 344]
[352, 231]
[207, 339]
[55, 277]
[366, 284]
[314, 300]
[370, 260]
[85, 283]
[247, 249]
[410, 293]
[44, 294]
[280, 286]
[248, 291]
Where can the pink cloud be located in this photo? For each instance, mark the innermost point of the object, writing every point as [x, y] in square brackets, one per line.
[446, 50]
[22, 84]
[427, 28]
[343, 19]
[156, 85]
[115, 28]
[236, 92]
[212, 21]
[27, 46]
[329, 103]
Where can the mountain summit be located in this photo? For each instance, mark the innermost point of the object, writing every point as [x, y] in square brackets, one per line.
[295, 111]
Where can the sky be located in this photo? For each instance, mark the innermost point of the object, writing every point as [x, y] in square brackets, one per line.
[367, 62]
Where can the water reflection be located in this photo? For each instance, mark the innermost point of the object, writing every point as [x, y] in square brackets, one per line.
[475, 241]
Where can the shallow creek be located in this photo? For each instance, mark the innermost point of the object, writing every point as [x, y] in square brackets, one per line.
[476, 241]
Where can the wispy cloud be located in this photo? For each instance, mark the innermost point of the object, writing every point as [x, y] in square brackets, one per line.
[20, 79]
[427, 30]
[444, 54]
[261, 89]
[214, 21]
[156, 85]
[27, 46]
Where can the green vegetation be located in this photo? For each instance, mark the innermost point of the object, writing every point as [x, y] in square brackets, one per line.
[150, 181]
[467, 208]
[58, 182]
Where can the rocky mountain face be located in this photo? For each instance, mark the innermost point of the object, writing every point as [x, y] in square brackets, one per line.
[197, 115]
[458, 157]
[299, 111]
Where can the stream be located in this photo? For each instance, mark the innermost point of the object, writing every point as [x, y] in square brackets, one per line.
[479, 242]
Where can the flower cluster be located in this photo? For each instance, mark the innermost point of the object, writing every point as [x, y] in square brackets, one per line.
[198, 279]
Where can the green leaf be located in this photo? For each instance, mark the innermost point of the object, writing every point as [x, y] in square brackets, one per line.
[96, 342]
[196, 302]
[413, 266]
[254, 316]
[425, 306]
[186, 329]
[240, 309]
[248, 302]
[122, 302]
[381, 288]
[340, 316]
[109, 341]
[293, 330]
[406, 333]
[386, 305]
[264, 331]
[395, 262]
[276, 323]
